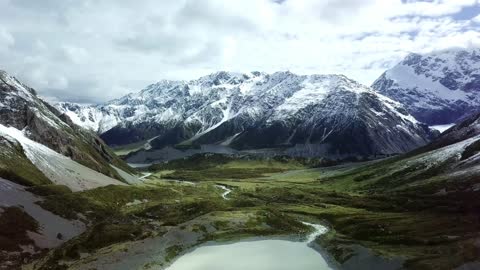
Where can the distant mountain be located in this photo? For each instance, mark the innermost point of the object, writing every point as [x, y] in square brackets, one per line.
[41, 145]
[436, 88]
[317, 115]
[96, 118]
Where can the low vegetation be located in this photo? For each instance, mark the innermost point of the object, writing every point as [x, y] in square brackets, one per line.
[15, 166]
[14, 224]
[422, 226]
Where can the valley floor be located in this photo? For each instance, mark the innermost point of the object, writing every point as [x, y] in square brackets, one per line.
[183, 204]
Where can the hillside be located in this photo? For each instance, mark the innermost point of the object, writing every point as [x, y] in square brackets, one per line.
[37, 136]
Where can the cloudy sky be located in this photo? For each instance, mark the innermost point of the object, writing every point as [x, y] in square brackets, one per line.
[91, 51]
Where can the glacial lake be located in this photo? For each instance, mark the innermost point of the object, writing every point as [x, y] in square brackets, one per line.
[252, 255]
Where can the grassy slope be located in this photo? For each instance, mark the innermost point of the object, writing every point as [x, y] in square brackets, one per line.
[129, 148]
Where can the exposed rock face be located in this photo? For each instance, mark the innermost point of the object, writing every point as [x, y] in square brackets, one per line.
[22, 109]
[314, 115]
[436, 88]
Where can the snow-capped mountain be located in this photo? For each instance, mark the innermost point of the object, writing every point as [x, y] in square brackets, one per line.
[39, 145]
[436, 88]
[305, 115]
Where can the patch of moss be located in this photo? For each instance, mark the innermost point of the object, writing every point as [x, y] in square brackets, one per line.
[69, 205]
[16, 167]
[172, 252]
[195, 162]
[176, 213]
[49, 190]
[219, 174]
[105, 234]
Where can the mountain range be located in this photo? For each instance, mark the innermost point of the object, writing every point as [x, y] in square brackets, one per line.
[269, 114]
[299, 115]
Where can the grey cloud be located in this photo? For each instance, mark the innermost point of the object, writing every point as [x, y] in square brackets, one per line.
[6, 39]
[162, 41]
[95, 50]
[81, 91]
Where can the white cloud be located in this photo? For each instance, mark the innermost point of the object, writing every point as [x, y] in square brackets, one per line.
[97, 50]
[476, 19]
[75, 54]
[434, 8]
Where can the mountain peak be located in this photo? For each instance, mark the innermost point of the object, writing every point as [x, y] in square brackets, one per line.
[15, 85]
[437, 88]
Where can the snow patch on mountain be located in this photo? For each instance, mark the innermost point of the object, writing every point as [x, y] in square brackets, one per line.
[407, 77]
[11, 81]
[311, 92]
[437, 157]
[397, 108]
[442, 128]
[59, 169]
[90, 116]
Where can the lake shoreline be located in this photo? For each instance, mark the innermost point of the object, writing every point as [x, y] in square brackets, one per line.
[276, 245]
